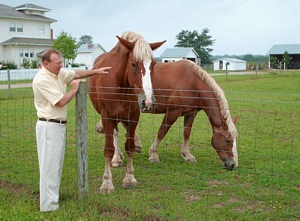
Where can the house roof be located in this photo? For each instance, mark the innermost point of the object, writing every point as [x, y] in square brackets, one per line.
[178, 53]
[235, 60]
[32, 7]
[280, 49]
[10, 12]
[28, 41]
[88, 48]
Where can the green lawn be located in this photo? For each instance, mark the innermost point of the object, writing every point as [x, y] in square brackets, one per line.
[265, 186]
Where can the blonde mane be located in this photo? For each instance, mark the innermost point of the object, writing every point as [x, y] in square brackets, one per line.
[142, 50]
[224, 108]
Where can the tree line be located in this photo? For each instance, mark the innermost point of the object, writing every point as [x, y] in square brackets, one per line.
[200, 42]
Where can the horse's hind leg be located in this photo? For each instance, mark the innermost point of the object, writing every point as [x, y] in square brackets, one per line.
[185, 152]
[118, 157]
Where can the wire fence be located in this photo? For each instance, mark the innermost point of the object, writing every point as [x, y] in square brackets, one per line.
[266, 181]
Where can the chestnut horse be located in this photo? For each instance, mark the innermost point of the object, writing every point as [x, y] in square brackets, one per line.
[120, 94]
[182, 88]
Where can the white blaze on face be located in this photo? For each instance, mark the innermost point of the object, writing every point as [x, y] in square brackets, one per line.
[147, 85]
[235, 153]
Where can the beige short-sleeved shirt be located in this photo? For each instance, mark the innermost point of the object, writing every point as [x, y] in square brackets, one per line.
[48, 89]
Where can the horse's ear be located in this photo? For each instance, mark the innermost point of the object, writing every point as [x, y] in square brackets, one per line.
[235, 119]
[156, 45]
[127, 44]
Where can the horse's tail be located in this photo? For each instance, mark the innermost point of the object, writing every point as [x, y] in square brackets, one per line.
[219, 94]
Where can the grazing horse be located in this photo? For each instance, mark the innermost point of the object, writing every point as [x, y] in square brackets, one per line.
[121, 94]
[182, 88]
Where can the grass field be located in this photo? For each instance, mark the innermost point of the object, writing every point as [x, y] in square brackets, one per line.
[265, 186]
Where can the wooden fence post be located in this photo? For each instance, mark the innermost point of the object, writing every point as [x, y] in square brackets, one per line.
[8, 82]
[81, 133]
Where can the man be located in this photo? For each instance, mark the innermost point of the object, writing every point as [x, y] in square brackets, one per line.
[51, 99]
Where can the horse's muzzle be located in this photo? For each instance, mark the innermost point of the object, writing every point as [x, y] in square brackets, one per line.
[146, 105]
[229, 164]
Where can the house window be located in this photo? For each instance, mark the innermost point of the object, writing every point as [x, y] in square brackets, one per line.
[21, 53]
[26, 53]
[12, 27]
[31, 54]
[19, 27]
[41, 29]
[15, 27]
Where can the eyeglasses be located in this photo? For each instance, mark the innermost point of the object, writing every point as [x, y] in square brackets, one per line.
[57, 63]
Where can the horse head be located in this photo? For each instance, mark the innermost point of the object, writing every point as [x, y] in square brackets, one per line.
[140, 68]
[224, 142]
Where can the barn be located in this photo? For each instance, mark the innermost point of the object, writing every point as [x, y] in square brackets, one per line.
[233, 64]
[293, 50]
[176, 54]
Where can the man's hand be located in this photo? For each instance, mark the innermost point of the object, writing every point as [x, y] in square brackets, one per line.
[75, 85]
[104, 70]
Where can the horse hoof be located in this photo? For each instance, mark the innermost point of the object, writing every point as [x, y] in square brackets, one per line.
[99, 130]
[193, 160]
[138, 149]
[128, 185]
[154, 160]
[107, 189]
[117, 164]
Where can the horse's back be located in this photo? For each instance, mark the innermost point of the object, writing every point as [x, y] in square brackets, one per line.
[180, 75]
[179, 85]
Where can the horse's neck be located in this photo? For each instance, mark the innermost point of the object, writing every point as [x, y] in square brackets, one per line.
[213, 113]
[120, 67]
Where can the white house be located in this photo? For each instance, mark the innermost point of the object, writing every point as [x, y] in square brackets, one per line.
[176, 54]
[87, 53]
[233, 64]
[25, 32]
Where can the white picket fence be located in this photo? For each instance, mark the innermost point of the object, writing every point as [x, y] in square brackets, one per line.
[22, 74]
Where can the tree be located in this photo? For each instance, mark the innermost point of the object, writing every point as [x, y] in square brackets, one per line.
[286, 58]
[66, 44]
[85, 39]
[273, 61]
[200, 42]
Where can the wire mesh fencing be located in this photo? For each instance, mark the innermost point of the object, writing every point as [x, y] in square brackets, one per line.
[265, 185]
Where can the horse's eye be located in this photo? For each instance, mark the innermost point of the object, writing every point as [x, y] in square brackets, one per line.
[227, 141]
[133, 65]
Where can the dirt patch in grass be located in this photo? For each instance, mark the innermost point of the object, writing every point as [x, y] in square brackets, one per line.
[191, 196]
[13, 188]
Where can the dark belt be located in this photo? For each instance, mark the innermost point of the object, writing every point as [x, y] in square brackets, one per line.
[54, 121]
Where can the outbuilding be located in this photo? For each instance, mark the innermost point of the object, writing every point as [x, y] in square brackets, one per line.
[233, 64]
[87, 53]
[176, 54]
[277, 52]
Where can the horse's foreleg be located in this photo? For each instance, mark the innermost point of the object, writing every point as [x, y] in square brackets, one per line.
[137, 140]
[129, 181]
[107, 184]
[185, 152]
[167, 122]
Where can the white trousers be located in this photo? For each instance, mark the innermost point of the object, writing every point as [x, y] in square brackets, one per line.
[51, 142]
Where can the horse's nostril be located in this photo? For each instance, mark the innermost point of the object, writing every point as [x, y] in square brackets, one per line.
[233, 166]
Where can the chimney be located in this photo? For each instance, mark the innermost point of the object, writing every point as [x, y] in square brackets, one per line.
[90, 46]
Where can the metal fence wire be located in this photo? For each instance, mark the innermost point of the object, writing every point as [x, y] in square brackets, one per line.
[266, 181]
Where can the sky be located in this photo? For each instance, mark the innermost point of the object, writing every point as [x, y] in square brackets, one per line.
[239, 27]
